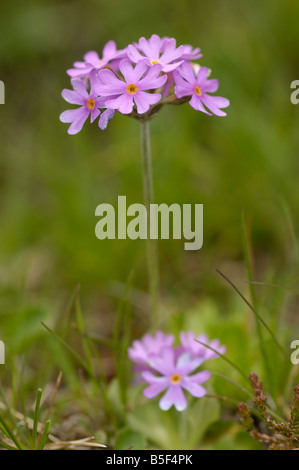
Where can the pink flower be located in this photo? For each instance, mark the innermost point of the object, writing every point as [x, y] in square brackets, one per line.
[90, 104]
[157, 50]
[174, 377]
[190, 53]
[150, 345]
[190, 345]
[196, 84]
[131, 90]
[93, 61]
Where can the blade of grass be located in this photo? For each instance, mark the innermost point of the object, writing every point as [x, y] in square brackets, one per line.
[249, 267]
[271, 412]
[75, 355]
[253, 310]
[290, 223]
[36, 417]
[11, 416]
[6, 446]
[81, 328]
[8, 432]
[244, 390]
[94, 338]
[225, 358]
[270, 284]
[44, 437]
[57, 384]
[121, 340]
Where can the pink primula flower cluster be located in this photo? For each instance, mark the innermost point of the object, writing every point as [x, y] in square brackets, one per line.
[170, 369]
[134, 80]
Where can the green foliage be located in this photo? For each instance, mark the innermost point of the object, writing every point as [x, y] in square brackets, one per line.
[244, 169]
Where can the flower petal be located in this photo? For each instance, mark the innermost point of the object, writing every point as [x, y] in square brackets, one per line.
[77, 125]
[198, 378]
[196, 390]
[124, 104]
[71, 114]
[196, 103]
[127, 71]
[111, 85]
[187, 72]
[109, 50]
[213, 103]
[171, 67]
[152, 80]
[79, 87]
[94, 114]
[154, 389]
[211, 86]
[174, 396]
[94, 79]
[140, 69]
[165, 363]
[80, 72]
[202, 75]
[155, 43]
[144, 100]
[105, 117]
[72, 97]
[92, 58]
[133, 54]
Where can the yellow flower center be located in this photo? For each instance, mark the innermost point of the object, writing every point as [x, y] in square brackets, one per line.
[153, 62]
[91, 103]
[132, 89]
[197, 90]
[175, 379]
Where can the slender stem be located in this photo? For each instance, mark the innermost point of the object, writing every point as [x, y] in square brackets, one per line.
[152, 245]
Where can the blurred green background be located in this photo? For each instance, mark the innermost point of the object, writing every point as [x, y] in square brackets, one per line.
[51, 183]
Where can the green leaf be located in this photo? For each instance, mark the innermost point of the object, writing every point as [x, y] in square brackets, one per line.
[203, 413]
[129, 439]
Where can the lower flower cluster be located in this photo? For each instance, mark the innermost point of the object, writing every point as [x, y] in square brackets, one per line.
[166, 368]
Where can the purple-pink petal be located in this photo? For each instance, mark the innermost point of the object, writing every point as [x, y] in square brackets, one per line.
[211, 86]
[202, 75]
[213, 103]
[109, 84]
[199, 378]
[109, 50]
[123, 103]
[174, 396]
[165, 362]
[194, 389]
[190, 53]
[140, 70]
[186, 71]
[72, 97]
[133, 54]
[92, 58]
[105, 117]
[79, 87]
[196, 103]
[144, 100]
[95, 112]
[152, 80]
[127, 70]
[77, 125]
[71, 114]
[154, 389]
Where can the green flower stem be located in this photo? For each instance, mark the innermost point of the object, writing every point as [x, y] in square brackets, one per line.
[152, 245]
